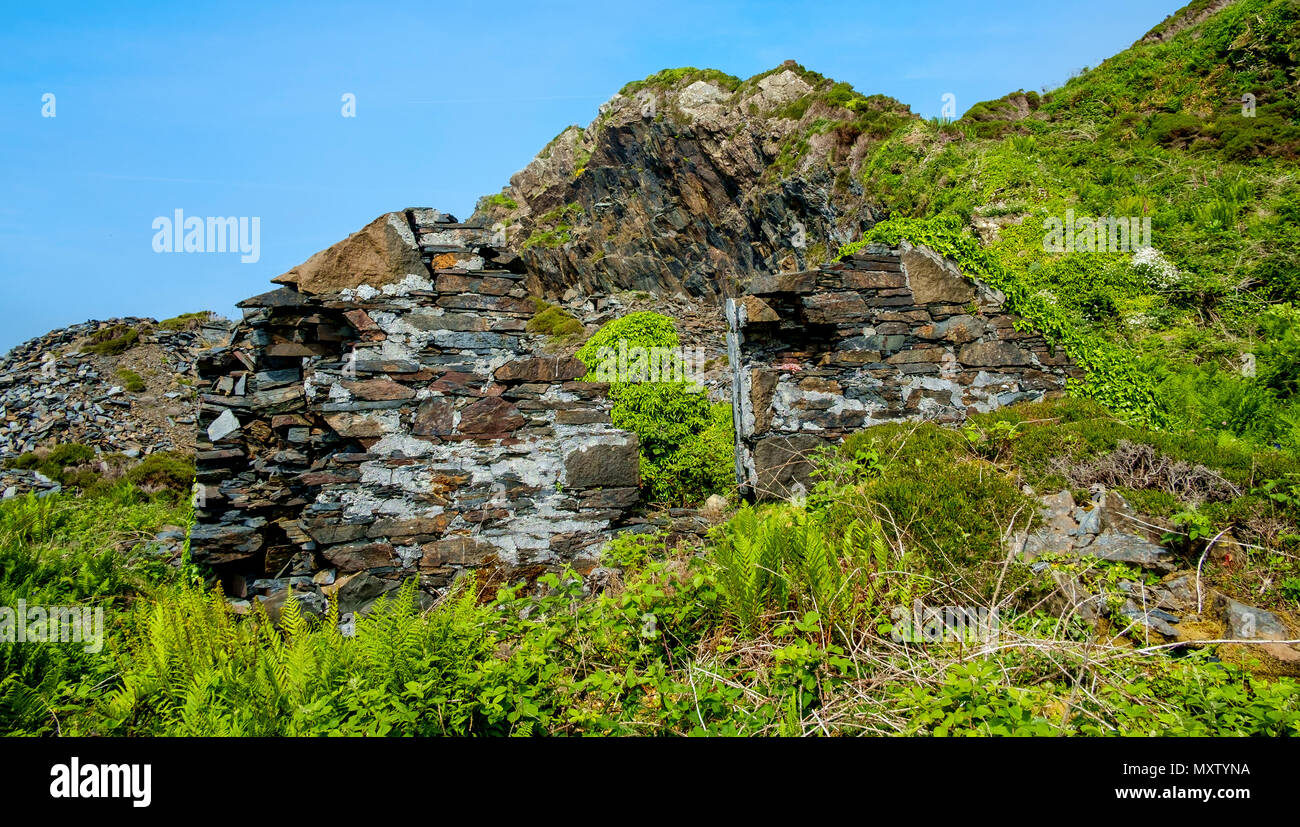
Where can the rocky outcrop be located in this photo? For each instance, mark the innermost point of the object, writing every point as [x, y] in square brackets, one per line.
[692, 181]
[415, 429]
[888, 334]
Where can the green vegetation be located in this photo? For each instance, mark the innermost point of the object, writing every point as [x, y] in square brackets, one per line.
[685, 442]
[132, 382]
[113, 340]
[500, 199]
[185, 321]
[1156, 131]
[54, 462]
[786, 622]
[672, 77]
[553, 227]
[164, 471]
[553, 320]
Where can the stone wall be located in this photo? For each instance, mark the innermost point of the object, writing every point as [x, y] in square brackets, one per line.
[410, 428]
[889, 334]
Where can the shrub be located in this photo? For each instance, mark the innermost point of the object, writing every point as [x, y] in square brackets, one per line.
[52, 463]
[131, 381]
[643, 329]
[685, 442]
[185, 321]
[113, 340]
[553, 320]
[167, 470]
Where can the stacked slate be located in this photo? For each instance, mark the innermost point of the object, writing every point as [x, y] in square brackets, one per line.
[414, 428]
[885, 335]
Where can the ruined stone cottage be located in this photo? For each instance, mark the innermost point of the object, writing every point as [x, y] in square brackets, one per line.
[887, 334]
[387, 412]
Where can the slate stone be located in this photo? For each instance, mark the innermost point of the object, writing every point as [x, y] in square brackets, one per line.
[603, 466]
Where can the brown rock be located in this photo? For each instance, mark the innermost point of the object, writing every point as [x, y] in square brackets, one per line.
[373, 390]
[834, 308]
[992, 354]
[603, 466]
[872, 279]
[757, 310]
[434, 417]
[412, 527]
[490, 415]
[383, 252]
[358, 556]
[557, 369]
[457, 551]
[934, 280]
[355, 425]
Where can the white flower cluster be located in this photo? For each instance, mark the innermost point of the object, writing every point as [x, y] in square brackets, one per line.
[1155, 269]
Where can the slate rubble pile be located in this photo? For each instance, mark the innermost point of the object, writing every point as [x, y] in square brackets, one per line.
[1178, 608]
[888, 334]
[349, 440]
[54, 391]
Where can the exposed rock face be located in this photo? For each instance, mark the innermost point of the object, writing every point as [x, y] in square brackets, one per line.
[692, 186]
[888, 334]
[411, 430]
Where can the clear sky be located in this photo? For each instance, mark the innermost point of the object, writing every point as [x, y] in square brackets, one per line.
[235, 109]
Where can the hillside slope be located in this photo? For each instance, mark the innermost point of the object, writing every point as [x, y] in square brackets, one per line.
[694, 181]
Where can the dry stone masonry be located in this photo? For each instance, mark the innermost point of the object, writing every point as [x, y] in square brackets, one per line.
[372, 432]
[888, 334]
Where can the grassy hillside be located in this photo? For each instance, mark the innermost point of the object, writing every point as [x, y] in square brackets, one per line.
[1157, 131]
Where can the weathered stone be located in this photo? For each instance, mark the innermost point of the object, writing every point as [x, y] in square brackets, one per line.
[360, 555]
[328, 532]
[223, 427]
[872, 279]
[356, 424]
[382, 253]
[934, 280]
[756, 310]
[491, 415]
[456, 551]
[992, 354]
[783, 466]
[835, 308]
[782, 283]
[434, 417]
[604, 466]
[411, 527]
[378, 389]
[581, 417]
[536, 369]
[282, 297]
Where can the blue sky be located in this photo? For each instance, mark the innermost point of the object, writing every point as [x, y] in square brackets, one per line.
[234, 109]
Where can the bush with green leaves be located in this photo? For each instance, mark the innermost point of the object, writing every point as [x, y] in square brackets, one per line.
[686, 442]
